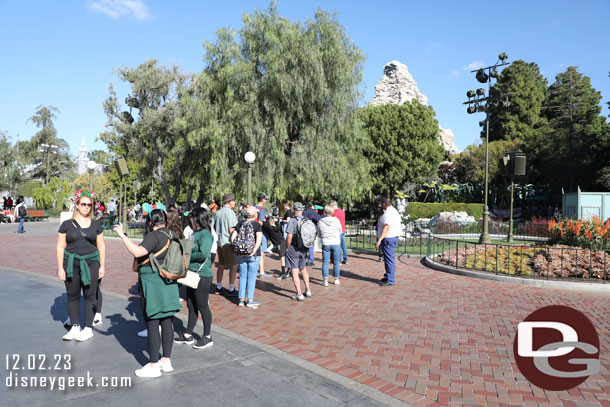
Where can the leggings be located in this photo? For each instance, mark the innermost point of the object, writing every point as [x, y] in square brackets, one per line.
[98, 296]
[73, 289]
[197, 302]
[155, 340]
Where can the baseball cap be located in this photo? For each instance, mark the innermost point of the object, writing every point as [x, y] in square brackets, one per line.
[262, 196]
[252, 210]
[297, 207]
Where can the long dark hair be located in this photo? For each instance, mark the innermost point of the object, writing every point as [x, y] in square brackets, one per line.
[201, 219]
[174, 223]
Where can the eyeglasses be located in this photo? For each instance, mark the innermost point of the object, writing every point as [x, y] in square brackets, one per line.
[86, 204]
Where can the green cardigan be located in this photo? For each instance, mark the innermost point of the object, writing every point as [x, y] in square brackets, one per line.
[203, 240]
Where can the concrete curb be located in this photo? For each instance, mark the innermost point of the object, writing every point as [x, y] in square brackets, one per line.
[428, 262]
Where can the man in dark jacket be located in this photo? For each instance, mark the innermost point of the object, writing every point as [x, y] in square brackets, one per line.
[312, 214]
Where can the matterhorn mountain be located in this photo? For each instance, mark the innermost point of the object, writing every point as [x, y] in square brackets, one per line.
[397, 87]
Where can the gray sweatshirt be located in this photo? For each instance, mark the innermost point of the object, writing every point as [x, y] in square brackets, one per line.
[330, 231]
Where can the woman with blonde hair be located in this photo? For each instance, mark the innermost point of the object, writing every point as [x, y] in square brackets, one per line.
[81, 260]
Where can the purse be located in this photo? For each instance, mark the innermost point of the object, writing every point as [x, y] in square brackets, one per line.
[192, 277]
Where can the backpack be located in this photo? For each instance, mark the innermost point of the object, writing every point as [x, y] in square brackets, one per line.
[306, 233]
[244, 242]
[22, 212]
[176, 262]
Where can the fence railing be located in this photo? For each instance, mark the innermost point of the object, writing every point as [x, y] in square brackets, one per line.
[364, 236]
[134, 230]
[532, 260]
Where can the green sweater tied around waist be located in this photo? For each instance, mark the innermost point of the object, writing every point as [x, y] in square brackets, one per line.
[85, 272]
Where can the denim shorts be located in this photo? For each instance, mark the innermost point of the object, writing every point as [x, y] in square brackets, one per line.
[296, 258]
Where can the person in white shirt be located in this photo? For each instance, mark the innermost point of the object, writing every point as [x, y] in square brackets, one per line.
[388, 233]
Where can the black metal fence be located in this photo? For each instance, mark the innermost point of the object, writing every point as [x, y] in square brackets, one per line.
[134, 230]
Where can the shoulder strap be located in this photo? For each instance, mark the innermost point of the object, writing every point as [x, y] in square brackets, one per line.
[77, 226]
[160, 251]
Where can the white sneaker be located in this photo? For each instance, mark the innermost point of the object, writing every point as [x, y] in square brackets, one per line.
[75, 330]
[97, 319]
[325, 282]
[307, 294]
[85, 334]
[67, 322]
[337, 281]
[148, 371]
[143, 334]
[166, 367]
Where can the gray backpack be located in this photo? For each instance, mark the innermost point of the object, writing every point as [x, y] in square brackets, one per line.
[306, 233]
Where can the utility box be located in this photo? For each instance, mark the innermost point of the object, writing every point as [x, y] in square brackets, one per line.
[586, 205]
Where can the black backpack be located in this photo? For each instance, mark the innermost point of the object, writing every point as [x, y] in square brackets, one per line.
[22, 212]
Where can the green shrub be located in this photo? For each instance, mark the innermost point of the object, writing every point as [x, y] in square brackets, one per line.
[427, 210]
[54, 213]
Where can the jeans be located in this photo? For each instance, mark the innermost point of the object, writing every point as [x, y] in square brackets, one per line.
[248, 269]
[343, 246]
[310, 256]
[327, 252]
[388, 245]
[20, 227]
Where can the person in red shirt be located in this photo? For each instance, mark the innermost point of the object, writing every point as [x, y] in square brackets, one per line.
[340, 214]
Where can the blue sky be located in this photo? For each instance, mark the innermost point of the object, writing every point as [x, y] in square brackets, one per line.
[63, 53]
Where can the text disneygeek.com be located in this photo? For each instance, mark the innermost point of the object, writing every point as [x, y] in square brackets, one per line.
[24, 372]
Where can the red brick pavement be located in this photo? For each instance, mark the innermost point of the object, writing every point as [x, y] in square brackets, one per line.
[433, 339]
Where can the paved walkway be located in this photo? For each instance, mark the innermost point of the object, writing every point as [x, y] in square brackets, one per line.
[433, 339]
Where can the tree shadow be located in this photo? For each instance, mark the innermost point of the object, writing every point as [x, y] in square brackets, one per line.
[354, 276]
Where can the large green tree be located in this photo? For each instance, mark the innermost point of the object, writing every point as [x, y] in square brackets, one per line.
[573, 146]
[525, 88]
[288, 91]
[11, 164]
[405, 144]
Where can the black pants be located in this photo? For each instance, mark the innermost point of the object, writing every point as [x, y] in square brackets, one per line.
[197, 302]
[73, 289]
[155, 340]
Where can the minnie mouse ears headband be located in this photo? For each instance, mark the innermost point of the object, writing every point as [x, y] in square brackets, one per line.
[82, 193]
[147, 208]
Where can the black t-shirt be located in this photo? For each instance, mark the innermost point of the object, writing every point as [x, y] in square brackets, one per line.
[76, 243]
[153, 242]
[288, 214]
[257, 228]
[274, 232]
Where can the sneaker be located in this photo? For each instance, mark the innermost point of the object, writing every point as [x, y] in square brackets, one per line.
[166, 367]
[67, 322]
[220, 291]
[242, 303]
[325, 282]
[71, 333]
[379, 260]
[97, 319]
[149, 371]
[264, 275]
[344, 262]
[143, 334]
[309, 263]
[189, 340]
[253, 304]
[337, 281]
[233, 293]
[298, 297]
[307, 294]
[85, 334]
[204, 342]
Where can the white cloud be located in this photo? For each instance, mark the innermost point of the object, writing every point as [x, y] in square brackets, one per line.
[475, 65]
[119, 8]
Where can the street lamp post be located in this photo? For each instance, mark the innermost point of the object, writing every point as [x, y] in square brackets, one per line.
[91, 167]
[249, 158]
[479, 103]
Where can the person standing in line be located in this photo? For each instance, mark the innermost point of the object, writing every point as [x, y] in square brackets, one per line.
[213, 206]
[248, 264]
[389, 229]
[312, 214]
[21, 212]
[262, 216]
[224, 223]
[112, 207]
[201, 262]
[161, 297]
[285, 215]
[340, 214]
[330, 234]
[296, 256]
[273, 227]
[81, 261]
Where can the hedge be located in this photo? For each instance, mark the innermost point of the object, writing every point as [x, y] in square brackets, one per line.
[427, 210]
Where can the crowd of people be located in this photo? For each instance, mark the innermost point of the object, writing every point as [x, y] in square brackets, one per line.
[236, 240]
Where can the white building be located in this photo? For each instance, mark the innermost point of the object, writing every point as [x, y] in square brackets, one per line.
[83, 158]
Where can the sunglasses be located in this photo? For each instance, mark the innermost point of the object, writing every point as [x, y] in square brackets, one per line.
[86, 204]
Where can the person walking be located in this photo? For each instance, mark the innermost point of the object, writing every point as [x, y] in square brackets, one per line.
[295, 255]
[224, 223]
[248, 263]
[21, 212]
[340, 214]
[161, 297]
[81, 261]
[389, 231]
[311, 213]
[330, 234]
[201, 262]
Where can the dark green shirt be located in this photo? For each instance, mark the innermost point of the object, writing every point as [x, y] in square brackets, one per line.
[203, 240]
